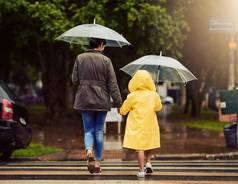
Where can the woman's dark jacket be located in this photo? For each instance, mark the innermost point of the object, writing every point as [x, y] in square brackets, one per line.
[94, 74]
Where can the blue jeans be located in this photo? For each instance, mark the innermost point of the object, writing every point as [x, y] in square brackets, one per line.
[93, 122]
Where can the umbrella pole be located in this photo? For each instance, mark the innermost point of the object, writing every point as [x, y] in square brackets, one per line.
[157, 79]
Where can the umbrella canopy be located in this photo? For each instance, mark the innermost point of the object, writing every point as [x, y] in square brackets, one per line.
[162, 69]
[82, 33]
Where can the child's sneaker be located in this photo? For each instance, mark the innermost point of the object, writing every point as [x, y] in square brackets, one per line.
[148, 168]
[141, 174]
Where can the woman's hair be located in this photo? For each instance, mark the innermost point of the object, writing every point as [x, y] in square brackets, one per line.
[95, 42]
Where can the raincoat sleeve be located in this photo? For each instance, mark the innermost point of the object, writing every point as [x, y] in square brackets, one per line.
[127, 104]
[112, 86]
[158, 104]
[75, 73]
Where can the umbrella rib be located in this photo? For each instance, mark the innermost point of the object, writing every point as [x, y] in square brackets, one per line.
[181, 75]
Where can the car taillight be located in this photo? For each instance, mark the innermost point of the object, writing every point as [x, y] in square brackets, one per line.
[7, 110]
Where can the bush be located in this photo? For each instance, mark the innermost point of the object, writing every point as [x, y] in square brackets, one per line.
[35, 150]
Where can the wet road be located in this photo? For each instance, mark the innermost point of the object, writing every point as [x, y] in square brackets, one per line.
[115, 182]
[173, 172]
[175, 139]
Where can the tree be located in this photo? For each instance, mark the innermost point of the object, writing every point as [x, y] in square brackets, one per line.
[50, 19]
[29, 29]
[205, 53]
[149, 25]
[12, 22]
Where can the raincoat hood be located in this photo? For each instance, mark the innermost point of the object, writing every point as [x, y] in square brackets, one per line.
[140, 81]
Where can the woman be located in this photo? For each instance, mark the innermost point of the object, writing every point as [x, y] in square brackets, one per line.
[94, 74]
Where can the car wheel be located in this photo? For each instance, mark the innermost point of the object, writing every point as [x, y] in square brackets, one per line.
[5, 155]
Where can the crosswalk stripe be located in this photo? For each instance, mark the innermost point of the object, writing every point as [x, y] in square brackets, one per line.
[119, 177]
[109, 172]
[121, 170]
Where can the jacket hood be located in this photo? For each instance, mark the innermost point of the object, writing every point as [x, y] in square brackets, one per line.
[140, 81]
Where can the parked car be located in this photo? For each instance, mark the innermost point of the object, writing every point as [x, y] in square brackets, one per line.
[14, 130]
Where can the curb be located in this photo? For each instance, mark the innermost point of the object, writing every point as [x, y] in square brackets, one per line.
[198, 156]
[62, 156]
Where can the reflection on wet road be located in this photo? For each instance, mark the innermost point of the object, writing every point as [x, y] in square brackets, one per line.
[175, 139]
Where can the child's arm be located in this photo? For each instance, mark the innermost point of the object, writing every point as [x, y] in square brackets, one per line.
[126, 106]
[158, 104]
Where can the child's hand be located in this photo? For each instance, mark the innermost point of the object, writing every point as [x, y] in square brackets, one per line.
[119, 111]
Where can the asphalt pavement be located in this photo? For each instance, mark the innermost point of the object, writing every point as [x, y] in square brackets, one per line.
[177, 141]
[186, 156]
[173, 172]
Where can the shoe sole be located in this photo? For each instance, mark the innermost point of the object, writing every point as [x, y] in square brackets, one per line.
[149, 170]
[140, 176]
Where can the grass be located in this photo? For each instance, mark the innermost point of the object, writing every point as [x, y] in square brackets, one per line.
[178, 114]
[205, 124]
[40, 109]
[36, 109]
[208, 120]
[36, 150]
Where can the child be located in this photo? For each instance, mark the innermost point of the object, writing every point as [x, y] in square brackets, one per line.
[142, 130]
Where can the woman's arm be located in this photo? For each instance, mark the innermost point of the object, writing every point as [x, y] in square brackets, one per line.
[113, 86]
[75, 73]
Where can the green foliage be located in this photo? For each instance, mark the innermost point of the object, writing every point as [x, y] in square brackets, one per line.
[158, 31]
[206, 125]
[32, 27]
[36, 150]
[13, 21]
[50, 17]
[86, 14]
[11, 6]
[149, 27]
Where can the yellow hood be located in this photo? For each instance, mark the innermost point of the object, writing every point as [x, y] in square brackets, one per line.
[141, 80]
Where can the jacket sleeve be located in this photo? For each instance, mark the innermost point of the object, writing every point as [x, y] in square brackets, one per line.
[75, 73]
[158, 104]
[126, 106]
[112, 86]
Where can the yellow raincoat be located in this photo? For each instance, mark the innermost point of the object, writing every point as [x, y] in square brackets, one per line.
[142, 129]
